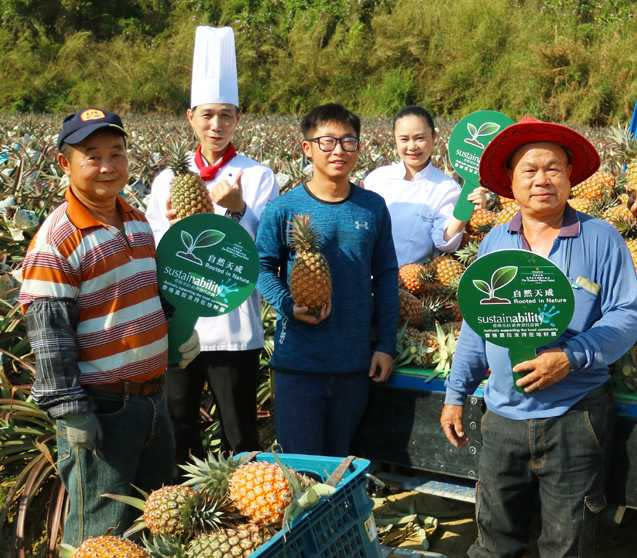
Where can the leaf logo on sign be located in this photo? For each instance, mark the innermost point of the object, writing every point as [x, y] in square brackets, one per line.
[205, 239]
[500, 278]
[485, 129]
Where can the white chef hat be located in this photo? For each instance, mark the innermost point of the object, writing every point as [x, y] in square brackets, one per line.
[214, 67]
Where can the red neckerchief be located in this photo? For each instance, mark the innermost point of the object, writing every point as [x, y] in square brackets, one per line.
[208, 172]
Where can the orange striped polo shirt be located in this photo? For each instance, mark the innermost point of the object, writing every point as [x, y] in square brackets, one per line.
[122, 330]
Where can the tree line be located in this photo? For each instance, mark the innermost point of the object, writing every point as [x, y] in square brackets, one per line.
[568, 60]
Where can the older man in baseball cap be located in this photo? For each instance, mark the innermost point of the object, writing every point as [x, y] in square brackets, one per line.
[546, 444]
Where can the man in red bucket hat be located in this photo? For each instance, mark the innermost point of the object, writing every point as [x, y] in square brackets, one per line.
[545, 446]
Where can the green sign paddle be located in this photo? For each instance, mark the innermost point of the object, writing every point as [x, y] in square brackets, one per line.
[518, 300]
[207, 265]
[467, 141]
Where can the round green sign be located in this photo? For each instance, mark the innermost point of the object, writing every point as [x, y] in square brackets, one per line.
[467, 141]
[207, 265]
[516, 299]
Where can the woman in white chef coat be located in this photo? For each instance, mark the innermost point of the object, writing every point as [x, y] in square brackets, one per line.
[420, 197]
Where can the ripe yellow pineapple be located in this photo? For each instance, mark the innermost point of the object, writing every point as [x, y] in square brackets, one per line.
[506, 213]
[241, 541]
[481, 220]
[188, 193]
[447, 270]
[414, 278]
[414, 348]
[620, 216]
[411, 308]
[261, 492]
[595, 187]
[310, 280]
[109, 546]
[584, 205]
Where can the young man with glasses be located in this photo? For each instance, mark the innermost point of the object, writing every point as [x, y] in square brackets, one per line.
[323, 363]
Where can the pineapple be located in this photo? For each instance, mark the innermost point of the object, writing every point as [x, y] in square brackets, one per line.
[188, 193]
[175, 511]
[414, 278]
[506, 213]
[310, 280]
[481, 221]
[414, 348]
[447, 270]
[166, 510]
[468, 253]
[620, 216]
[261, 492]
[242, 541]
[595, 187]
[106, 546]
[583, 205]
[411, 308]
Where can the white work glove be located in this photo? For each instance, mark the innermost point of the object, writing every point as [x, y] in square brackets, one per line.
[83, 431]
[189, 350]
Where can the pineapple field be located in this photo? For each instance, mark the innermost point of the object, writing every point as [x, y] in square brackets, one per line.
[31, 184]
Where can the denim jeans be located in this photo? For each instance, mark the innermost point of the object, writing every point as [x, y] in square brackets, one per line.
[138, 447]
[318, 414]
[558, 463]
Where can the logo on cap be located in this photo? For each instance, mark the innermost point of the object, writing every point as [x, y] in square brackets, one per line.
[92, 114]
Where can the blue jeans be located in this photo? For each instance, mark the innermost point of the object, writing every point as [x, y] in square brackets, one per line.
[557, 462]
[318, 414]
[138, 447]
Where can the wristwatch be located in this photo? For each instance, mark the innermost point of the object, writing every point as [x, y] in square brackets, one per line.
[236, 215]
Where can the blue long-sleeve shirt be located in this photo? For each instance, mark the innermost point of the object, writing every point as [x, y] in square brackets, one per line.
[355, 238]
[603, 327]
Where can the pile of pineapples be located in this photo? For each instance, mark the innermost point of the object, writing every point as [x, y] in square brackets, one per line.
[429, 312]
[224, 508]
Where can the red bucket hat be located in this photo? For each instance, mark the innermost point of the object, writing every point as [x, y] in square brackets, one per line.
[494, 161]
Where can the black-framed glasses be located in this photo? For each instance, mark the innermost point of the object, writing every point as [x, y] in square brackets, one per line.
[328, 143]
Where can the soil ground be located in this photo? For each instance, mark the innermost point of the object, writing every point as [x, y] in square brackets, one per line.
[457, 530]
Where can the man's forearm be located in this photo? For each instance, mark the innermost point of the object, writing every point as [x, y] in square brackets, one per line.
[51, 327]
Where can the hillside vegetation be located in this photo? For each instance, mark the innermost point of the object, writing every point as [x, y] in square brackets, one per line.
[569, 60]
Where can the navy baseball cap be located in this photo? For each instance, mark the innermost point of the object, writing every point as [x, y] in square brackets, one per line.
[77, 127]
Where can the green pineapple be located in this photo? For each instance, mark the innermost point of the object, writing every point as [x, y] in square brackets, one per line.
[242, 541]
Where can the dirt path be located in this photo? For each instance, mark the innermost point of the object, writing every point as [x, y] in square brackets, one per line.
[456, 531]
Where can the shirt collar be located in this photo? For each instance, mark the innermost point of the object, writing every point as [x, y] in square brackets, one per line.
[81, 216]
[424, 173]
[570, 223]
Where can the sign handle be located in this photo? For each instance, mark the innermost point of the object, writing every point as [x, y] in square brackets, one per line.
[464, 208]
[180, 328]
[518, 355]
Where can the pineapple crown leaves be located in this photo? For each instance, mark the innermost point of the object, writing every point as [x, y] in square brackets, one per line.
[66, 550]
[301, 236]
[160, 546]
[178, 156]
[446, 349]
[209, 475]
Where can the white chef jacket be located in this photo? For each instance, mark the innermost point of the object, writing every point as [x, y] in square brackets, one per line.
[241, 329]
[419, 209]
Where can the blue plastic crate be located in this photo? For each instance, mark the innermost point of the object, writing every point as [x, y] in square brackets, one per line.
[340, 526]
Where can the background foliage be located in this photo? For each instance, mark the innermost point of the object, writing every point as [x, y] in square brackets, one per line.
[573, 60]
